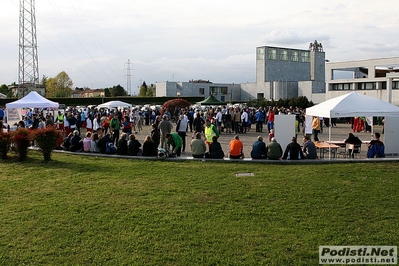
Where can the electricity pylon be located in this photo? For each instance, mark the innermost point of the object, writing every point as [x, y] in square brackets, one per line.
[28, 76]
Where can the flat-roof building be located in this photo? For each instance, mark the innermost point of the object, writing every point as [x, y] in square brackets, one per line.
[377, 78]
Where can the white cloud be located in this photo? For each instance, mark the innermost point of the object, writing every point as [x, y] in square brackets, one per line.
[215, 40]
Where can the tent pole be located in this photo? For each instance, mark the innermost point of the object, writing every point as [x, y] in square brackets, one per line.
[329, 139]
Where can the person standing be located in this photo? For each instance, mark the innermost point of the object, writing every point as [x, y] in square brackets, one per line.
[210, 131]
[60, 121]
[237, 121]
[270, 119]
[260, 117]
[316, 128]
[115, 126]
[165, 127]
[219, 120]
[181, 129]
[244, 121]
[155, 135]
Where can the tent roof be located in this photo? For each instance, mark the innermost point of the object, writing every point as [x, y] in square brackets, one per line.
[351, 105]
[114, 104]
[211, 100]
[32, 100]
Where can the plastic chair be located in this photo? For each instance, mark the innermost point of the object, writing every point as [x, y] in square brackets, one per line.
[351, 150]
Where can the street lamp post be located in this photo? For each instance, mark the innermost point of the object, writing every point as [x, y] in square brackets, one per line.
[178, 94]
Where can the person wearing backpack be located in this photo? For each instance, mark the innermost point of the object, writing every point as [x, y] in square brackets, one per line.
[102, 142]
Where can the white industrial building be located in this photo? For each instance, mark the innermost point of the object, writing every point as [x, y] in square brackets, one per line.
[283, 73]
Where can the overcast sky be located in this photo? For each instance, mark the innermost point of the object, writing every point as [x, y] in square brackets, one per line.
[181, 40]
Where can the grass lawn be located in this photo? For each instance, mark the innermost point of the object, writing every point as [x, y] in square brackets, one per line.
[99, 211]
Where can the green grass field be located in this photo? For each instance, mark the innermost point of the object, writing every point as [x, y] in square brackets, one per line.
[77, 210]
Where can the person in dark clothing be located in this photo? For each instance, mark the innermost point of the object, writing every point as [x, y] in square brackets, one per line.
[76, 142]
[215, 149]
[149, 147]
[258, 149]
[293, 151]
[309, 149]
[133, 146]
[155, 135]
[66, 144]
[352, 139]
[102, 142]
[121, 148]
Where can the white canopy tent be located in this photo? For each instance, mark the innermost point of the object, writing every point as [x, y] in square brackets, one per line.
[351, 105]
[32, 100]
[114, 104]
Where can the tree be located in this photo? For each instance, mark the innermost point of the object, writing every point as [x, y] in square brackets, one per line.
[151, 91]
[107, 93]
[143, 90]
[6, 91]
[59, 86]
[44, 80]
[174, 104]
[117, 91]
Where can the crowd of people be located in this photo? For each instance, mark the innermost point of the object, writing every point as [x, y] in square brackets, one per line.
[114, 131]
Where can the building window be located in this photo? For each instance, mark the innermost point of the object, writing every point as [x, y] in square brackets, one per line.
[219, 90]
[283, 55]
[395, 85]
[342, 86]
[370, 86]
[294, 56]
[305, 57]
[366, 86]
[201, 91]
[260, 53]
[272, 53]
[260, 96]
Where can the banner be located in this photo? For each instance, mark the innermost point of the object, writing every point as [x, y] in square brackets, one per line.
[14, 115]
